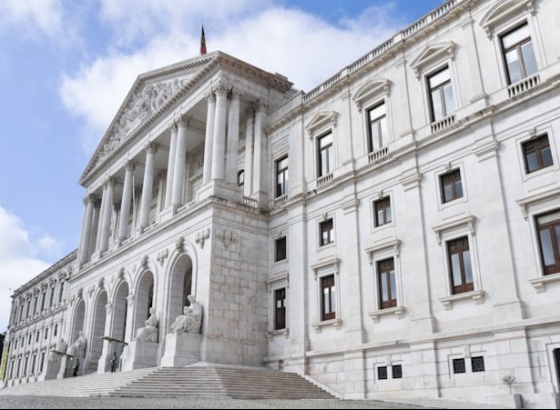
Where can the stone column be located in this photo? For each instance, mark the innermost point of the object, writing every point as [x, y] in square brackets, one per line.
[180, 163]
[219, 146]
[170, 166]
[209, 142]
[106, 215]
[126, 199]
[146, 202]
[99, 217]
[86, 229]
[472, 61]
[233, 138]
[93, 245]
[248, 185]
[260, 163]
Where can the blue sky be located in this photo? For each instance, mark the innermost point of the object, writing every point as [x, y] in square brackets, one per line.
[66, 66]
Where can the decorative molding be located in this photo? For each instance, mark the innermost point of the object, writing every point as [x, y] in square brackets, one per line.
[486, 149]
[144, 262]
[410, 179]
[336, 323]
[527, 201]
[505, 10]
[386, 244]
[431, 54]
[226, 237]
[398, 311]
[465, 220]
[201, 237]
[321, 119]
[540, 283]
[180, 244]
[476, 295]
[162, 255]
[377, 87]
[332, 261]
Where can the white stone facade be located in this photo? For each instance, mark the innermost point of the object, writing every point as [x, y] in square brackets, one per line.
[291, 271]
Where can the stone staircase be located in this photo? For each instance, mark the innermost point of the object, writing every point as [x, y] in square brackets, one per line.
[208, 381]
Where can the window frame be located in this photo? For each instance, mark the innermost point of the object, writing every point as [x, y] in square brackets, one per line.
[376, 205]
[280, 281]
[554, 225]
[440, 88]
[465, 286]
[382, 125]
[330, 232]
[329, 149]
[390, 282]
[442, 185]
[538, 152]
[281, 187]
[241, 178]
[517, 47]
[330, 313]
[277, 242]
[276, 326]
[327, 267]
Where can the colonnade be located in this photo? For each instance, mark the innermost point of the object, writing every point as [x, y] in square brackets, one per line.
[220, 165]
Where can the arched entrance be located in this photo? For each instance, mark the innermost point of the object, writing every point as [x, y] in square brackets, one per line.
[79, 319]
[180, 287]
[144, 300]
[120, 313]
[98, 331]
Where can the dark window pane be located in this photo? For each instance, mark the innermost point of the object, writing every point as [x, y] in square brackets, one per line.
[529, 59]
[546, 247]
[382, 373]
[397, 371]
[459, 366]
[477, 364]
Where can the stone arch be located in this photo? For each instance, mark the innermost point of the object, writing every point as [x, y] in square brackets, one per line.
[180, 286]
[144, 299]
[78, 321]
[98, 330]
[120, 311]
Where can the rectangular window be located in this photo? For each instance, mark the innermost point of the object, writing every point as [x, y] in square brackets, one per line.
[441, 94]
[397, 371]
[326, 155]
[52, 297]
[537, 154]
[326, 231]
[46, 333]
[460, 265]
[383, 214]
[459, 366]
[55, 330]
[451, 186]
[477, 364]
[241, 178]
[548, 227]
[282, 177]
[28, 309]
[61, 293]
[42, 362]
[36, 305]
[387, 283]
[280, 309]
[382, 373]
[280, 249]
[518, 54]
[328, 298]
[38, 336]
[377, 118]
[43, 300]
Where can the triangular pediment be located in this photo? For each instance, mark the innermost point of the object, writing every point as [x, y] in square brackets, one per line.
[156, 92]
[370, 90]
[321, 120]
[431, 54]
[503, 11]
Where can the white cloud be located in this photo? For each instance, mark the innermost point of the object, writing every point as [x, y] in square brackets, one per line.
[301, 46]
[33, 16]
[20, 259]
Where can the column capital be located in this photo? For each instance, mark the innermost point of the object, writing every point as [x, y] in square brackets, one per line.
[221, 88]
[182, 121]
[130, 166]
[151, 147]
[109, 182]
[210, 97]
[261, 106]
[236, 94]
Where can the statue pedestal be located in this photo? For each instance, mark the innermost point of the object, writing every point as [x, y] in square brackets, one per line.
[181, 349]
[139, 356]
[53, 366]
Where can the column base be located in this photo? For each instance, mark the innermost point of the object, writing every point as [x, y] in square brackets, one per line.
[220, 189]
[140, 355]
[181, 349]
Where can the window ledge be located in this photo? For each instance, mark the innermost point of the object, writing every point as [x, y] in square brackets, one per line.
[398, 311]
[540, 283]
[476, 295]
[272, 333]
[331, 322]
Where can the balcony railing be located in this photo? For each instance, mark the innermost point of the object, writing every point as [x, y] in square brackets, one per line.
[278, 201]
[443, 123]
[524, 85]
[378, 155]
[250, 202]
[324, 180]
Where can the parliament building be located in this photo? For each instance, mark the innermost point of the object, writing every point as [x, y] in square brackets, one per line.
[392, 233]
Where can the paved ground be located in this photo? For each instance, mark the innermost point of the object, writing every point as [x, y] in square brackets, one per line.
[46, 402]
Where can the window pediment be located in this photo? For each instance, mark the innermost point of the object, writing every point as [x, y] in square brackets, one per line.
[375, 87]
[321, 120]
[431, 54]
[505, 10]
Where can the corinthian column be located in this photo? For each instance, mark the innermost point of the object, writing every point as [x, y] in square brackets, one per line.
[259, 164]
[171, 165]
[233, 138]
[125, 201]
[106, 216]
[248, 185]
[208, 143]
[219, 132]
[146, 202]
[180, 164]
[86, 229]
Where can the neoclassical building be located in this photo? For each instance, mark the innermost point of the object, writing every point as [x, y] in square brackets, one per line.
[394, 232]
